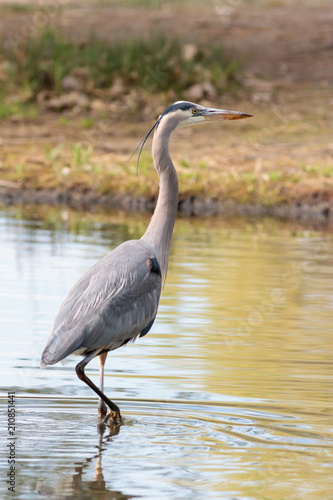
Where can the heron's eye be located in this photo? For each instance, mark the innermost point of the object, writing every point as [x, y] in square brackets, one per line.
[194, 111]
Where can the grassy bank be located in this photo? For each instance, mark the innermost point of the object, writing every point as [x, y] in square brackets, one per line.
[72, 113]
[233, 161]
[48, 62]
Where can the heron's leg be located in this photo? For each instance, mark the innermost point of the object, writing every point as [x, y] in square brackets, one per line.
[114, 414]
[102, 409]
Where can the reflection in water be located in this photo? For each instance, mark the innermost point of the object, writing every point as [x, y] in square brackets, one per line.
[75, 486]
[230, 394]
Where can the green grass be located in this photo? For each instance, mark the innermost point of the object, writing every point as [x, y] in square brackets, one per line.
[318, 170]
[87, 122]
[155, 63]
[18, 8]
[19, 109]
[81, 154]
[54, 153]
[154, 4]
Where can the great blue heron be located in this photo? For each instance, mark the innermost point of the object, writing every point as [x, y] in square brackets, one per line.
[116, 300]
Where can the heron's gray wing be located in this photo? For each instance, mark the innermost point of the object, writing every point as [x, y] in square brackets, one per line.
[112, 303]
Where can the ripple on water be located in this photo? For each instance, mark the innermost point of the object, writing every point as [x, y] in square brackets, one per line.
[230, 394]
[164, 446]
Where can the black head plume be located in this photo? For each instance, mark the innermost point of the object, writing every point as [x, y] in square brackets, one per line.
[142, 143]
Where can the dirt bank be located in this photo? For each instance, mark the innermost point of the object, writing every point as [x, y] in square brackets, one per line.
[318, 215]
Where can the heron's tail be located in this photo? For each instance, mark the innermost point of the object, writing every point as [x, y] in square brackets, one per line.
[60, 345]
[46, 358]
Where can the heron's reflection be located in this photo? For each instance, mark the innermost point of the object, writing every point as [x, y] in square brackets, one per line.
[74, 486]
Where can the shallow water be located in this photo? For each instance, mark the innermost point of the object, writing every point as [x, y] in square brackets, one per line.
[228, 396]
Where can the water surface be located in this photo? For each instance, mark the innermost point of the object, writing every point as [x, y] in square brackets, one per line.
[228, 396]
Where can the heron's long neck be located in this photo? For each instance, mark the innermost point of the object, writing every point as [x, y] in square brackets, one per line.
[159, 232]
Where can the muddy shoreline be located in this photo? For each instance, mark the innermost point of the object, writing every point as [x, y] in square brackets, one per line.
[304, 213]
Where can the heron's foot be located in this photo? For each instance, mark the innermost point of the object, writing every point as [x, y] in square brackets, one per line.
[113, 418]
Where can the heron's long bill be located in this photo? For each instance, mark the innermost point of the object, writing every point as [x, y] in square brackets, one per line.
[223, 114]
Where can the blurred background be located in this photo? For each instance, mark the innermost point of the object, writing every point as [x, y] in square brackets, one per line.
[82, 82]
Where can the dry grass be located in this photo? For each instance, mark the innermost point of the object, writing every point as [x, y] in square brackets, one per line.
[262, 161]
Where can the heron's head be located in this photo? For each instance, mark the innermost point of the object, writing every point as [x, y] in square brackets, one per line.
[185, 114]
